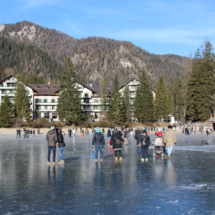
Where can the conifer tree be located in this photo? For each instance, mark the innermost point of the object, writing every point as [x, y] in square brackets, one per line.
[200, 85]
[22, 102]
[178, 103]
[104, 94]
[143, 102]
[126, 96]
[6, 113]
[69, 102]
[117, 105]
[162, 102]
[2, 73]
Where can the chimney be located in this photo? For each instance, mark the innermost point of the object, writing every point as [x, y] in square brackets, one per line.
[49, 84]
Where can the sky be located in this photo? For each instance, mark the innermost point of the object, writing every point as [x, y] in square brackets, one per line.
[158, 26]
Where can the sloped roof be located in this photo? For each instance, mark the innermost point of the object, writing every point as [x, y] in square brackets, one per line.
[4, 79]
[45, 89]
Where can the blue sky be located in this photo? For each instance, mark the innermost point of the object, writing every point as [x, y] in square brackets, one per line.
[160, 27]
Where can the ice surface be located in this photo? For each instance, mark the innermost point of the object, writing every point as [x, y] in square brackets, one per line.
[182, 185]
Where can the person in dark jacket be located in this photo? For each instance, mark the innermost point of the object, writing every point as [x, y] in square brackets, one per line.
[138, 134]
[145, 146]
[51, 137]
[61, 145]
[98, 142]
[109, 133]
[117, 147]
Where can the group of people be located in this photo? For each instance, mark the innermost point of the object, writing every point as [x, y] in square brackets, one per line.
[115, 140]
[142, 138]
[53, 137]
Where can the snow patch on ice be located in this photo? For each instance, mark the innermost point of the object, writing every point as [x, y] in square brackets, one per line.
[196, 148]
[193, 187]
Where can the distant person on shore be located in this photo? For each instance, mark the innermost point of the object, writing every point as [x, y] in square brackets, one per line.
[208, 131]
[169, 140]
[51, 137]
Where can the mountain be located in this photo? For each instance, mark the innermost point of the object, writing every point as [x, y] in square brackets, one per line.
[95, 57]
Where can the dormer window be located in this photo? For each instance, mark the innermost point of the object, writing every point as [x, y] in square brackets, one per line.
[37, 87]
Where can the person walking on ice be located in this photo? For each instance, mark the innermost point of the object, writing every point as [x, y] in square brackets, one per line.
[98, 142]
[169, 140]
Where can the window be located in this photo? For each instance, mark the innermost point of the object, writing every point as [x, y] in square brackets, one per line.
[133, 87]
[3, 91]
[53, 101]
[80, 87]
[1, 85]
[10, 91]
[38, 107]
[96, 100]
[45, 101]
[96, 107]
[86, 95]
[45, 107]
[53, 107]
[132, 94]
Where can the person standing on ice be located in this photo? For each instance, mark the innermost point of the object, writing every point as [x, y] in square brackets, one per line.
[169, 140]
[98, 142]
[51, 137]
[61, 145]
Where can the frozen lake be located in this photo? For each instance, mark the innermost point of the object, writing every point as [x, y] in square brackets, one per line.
[182, 185]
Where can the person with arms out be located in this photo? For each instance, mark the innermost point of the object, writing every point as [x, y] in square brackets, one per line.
[98, 142]
[51, 137]
[169, 140]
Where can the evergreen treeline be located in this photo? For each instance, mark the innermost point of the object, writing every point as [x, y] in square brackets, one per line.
[201, 85]
[25, 58]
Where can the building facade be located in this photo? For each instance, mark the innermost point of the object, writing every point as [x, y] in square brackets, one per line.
[44, 97]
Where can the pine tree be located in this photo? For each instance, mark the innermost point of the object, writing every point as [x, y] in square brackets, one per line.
[69, 102]
[178, 102]
[143, 102]
[162, 102]
[117, 106]
[200, 85]
[126, 96]
[104, 94]
[22, 102]
[2, 73]
[6, 113]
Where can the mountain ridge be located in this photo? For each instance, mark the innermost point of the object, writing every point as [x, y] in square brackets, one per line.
[96, 57]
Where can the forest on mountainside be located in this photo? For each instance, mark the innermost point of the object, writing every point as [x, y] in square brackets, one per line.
[94, 57]
[25, 58]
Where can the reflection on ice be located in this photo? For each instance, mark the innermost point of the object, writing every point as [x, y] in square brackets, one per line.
[182, 185]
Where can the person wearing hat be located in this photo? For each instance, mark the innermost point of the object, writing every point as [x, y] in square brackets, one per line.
[51, 137]
[98, 142]
[170, 140]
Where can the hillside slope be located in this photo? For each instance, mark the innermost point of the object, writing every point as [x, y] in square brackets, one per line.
[95, 57]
